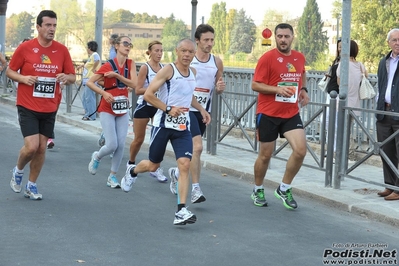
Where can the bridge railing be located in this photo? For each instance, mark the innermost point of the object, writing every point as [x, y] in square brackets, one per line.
[234, 114]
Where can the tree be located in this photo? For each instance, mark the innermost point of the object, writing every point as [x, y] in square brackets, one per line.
[337, 9]
[243, 34]
[311, 40]
[371, 21]
[173, 32]
[218, 21]
[122, 15]
[231, 16]
[18, 27]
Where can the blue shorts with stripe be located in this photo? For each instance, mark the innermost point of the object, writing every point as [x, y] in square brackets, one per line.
[181, 141]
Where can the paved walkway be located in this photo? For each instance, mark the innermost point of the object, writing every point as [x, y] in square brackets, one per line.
[354, 196]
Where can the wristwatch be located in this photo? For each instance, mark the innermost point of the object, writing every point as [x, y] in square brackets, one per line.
[168, 108]
[305, 89]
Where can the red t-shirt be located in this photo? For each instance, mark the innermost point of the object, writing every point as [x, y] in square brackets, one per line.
[31, 59]
[275, 69]
[112, 82]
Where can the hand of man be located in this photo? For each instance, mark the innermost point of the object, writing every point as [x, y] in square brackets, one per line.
[303, 98]
[220, 85]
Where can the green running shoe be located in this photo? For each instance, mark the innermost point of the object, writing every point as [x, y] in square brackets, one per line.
[259, 198]
[286, 197]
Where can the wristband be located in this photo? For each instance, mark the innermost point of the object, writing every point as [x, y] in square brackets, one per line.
[305, 89]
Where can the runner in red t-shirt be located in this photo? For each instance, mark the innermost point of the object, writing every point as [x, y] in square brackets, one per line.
[41, 67]
[280, 80]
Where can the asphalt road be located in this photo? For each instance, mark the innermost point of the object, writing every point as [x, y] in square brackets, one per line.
[81, 220]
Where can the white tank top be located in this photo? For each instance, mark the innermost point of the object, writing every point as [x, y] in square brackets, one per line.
[177, 91]
[206, 75]
[150, 76]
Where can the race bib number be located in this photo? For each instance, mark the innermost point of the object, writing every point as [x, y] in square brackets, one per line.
[177, 123]
[202, 95]
[120, 105]
[293, 86]
[44, 87]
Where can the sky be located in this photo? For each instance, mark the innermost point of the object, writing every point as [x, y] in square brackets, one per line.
[182, 8]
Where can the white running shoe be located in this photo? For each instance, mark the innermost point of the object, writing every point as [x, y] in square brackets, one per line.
[31, 192]
[93, 165]
[184, 216]
[158, 174]
[16, 180]
[128, 181]
[113, 182]
[197, 196]
[173, 180]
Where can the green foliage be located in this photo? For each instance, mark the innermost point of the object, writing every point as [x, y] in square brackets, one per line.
[122, 15]
[231, 16]
[218, 21]
[173, 57]
[18, 27]
[235, 34]
[166, 57]
[371, 21]
[322, 62]
[311, 40]
[337, 9]
[240, 56]
[243, 34]
[141, 43]
[173, 32]
[73, 19]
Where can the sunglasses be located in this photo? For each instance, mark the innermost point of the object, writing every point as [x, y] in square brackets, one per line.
[127, 44]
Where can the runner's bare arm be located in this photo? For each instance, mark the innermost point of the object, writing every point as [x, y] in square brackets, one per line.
[160, 78]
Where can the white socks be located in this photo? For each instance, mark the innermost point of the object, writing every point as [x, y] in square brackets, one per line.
[19, 171]
[31, 183]
[258, 187]
[284, 187]
[195, 185]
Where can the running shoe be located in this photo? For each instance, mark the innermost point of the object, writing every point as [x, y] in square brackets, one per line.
[184, 216]
[94, 163]
[158, 174]
[173, 180]
[101, 140]
[50, 144]
[128, 181]
[197, 196]
[286, 197]
[258, 197]
[31, 192]
[16, 180]
[113, 182]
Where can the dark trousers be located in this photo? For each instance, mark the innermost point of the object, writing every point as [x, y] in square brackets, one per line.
[385, 128]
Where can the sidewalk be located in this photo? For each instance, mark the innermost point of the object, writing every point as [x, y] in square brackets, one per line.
[354, 196]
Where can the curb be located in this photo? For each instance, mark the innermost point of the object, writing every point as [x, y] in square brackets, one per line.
[343, 206]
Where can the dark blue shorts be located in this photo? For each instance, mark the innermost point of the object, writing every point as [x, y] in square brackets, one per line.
[269, 127]
[181, 141]
[197, 127]
[33, 123]
[144, 111]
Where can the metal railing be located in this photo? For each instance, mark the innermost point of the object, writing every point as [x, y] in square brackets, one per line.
[234, 114]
